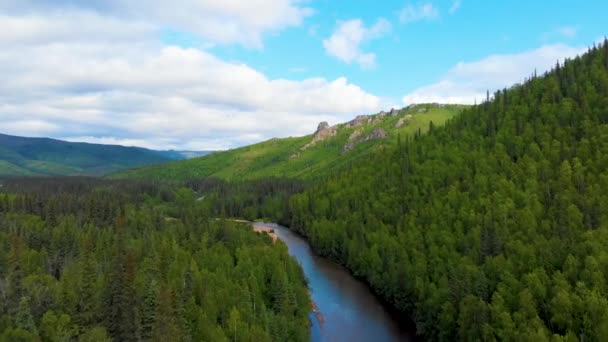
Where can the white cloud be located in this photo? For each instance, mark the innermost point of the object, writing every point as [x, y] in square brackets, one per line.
[560, 33]
[26, 126]
[129, 88]
[224, 22]
[72, 26]
[411, 13]
[455, 6]
[345, 42]
[568, 31]
[467, 82]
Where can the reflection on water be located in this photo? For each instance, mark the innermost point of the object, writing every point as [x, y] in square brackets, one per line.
[350, 311]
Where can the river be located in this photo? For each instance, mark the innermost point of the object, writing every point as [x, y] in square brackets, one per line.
[350, 311]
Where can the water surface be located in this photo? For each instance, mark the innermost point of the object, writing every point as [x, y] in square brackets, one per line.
[350, 311]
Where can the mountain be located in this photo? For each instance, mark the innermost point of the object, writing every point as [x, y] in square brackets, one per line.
[491, 228]
[327, 150]
[20, 156]
[180, 155]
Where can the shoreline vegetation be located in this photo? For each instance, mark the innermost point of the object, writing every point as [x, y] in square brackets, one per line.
[267, 230]
[318, 314]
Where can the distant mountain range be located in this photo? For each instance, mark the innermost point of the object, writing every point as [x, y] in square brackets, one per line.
[21, 156]
[181, 155]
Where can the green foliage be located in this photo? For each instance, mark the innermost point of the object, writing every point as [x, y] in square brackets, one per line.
[55, 327]
[118, 262]
[285, 157]
[493, 227]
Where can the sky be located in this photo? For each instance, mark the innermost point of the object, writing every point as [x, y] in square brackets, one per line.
[218, 74]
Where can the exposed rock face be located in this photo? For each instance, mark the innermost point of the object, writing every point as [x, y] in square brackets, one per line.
[374, 119]
[323, 132]
[377, 133]
[322, 126]
[403, 120]
[355, 138]
[421, 110]
[355, 135]
[394, 112]
[359, 120]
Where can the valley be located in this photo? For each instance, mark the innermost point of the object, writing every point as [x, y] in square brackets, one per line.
[345, 308]
[435, 221]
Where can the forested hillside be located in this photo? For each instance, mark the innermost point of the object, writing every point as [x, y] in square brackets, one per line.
[494, 227]
[91, 260]
[20, 156]
[310, 157]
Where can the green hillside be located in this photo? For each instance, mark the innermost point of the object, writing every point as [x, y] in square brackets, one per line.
[21, 156]
[491, 228]
[287, 158]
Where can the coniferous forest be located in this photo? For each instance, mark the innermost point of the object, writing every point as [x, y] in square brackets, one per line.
[494, 227]
[92, 260]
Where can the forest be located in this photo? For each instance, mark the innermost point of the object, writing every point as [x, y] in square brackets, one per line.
[85, 259]
[493, 227]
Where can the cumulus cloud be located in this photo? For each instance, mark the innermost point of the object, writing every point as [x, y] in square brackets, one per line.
[560, 33]
[411, 13]
[223, 22]
[118, 83]
[345, 42]
[467, 82]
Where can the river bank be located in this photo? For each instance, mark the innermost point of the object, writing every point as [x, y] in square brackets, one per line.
[345, 308]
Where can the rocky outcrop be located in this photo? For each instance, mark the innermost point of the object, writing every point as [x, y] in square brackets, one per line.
[359, 120]
[355, 135]
[323, 132]
[403, 120]
[321, 127]
[355, 138]
[394, 112]
[377, 134]
[374, 119]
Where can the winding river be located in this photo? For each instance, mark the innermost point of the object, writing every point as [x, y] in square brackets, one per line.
[346, 309]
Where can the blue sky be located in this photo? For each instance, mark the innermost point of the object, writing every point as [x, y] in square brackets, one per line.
[204, 74]
[417, 53]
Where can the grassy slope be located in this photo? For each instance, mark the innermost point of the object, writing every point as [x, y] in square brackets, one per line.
[21, 156]
[274, 157]
[9, 169]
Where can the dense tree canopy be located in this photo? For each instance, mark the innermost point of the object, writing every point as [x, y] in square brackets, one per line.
[93, 260]
[494, 227]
